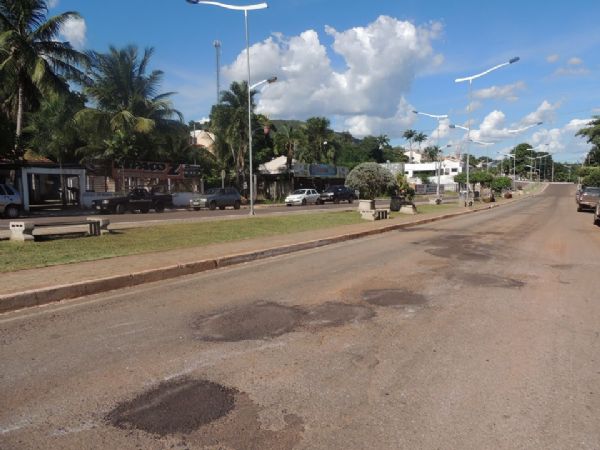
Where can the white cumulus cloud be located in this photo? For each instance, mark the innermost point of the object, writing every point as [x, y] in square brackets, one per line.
[52, 4]
[552, 58]
[74, 31]
[507, 92]
[366, 94]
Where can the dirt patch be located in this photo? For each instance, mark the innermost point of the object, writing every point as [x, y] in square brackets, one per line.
[269, 320]
[562, 266]
[174, 407]
[256, 321]
[393, 297]
[333, 314]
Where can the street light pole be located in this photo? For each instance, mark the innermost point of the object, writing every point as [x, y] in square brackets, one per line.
[245, 8]
[438, 117]
[470, 80]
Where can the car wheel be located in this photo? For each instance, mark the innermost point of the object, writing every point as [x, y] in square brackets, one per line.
[144, 210]
[303, 202]
[237, 204]
[351, 200]
[222, 207]
[11, 212]
[196, 209]
[579, 208]
[159, 208]
[120, 209]
[319, 201]
[212, 206]
[336, 201]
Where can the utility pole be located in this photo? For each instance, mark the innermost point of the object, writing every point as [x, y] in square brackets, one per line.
[217, 45]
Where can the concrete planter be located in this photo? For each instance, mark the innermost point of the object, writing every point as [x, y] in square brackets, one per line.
[366, 205]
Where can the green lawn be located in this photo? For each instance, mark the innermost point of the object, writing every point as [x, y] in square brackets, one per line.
[17, 255]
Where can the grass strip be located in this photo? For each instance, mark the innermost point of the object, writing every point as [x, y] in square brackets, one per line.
[18, 255]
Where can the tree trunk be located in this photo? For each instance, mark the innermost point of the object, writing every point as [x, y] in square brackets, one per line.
[18, 131]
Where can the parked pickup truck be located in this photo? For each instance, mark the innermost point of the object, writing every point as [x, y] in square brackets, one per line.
[139, 199]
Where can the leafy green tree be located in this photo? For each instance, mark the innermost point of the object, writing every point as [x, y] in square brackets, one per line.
[431, 152]
[404, 188]
[33, 60]
[592, 135]
[501, 183]
[318, 136]
[592, 178]
[371, 180]
[419, 139]
[52, 131]
[127, 108]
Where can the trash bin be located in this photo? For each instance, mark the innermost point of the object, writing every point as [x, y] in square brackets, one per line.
[396, 203]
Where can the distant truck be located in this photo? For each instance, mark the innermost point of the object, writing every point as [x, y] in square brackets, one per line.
[138, 199]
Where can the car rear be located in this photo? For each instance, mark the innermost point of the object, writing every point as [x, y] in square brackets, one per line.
[588, 198]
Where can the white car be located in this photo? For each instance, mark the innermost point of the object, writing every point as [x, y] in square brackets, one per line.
[302, 197]
[10, 201]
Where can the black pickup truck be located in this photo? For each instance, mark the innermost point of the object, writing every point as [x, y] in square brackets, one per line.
[139, 199]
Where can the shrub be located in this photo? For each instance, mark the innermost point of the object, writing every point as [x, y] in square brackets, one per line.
[371, 180]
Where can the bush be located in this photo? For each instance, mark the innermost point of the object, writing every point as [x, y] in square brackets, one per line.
[501, 183]
[371, 180]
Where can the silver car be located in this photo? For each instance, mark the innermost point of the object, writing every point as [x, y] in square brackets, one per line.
[302, 197]
[10, 201]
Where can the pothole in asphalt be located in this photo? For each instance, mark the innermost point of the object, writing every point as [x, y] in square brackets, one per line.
[176, 406]
[393, 297]
[335, 314]
[269, 320]
[460, 247]
[479, 279]
[256, 321]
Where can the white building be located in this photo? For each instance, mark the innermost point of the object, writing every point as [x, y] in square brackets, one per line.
[449, 168]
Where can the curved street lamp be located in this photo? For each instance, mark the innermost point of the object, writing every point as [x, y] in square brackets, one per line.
[439, 118]
[470, 80]
[244, 8]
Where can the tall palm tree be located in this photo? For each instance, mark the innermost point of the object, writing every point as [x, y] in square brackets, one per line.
[409, 135]
[419, 139]
[287, 139]
[318, 136]
[36, 62]
[127, 106]
[229, 122]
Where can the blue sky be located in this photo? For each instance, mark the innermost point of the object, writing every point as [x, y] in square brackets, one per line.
[366, 64]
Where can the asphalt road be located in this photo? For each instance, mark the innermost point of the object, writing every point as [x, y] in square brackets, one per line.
[481, 332]
[172, 214]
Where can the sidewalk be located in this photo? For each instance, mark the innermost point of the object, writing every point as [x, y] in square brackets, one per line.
[32, 287]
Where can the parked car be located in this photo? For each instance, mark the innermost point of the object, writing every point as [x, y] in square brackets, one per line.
[588, 199]
[337, 194]
[597, 214]
[217, 197]
[138, 199]
[302, 197]
[10, 202]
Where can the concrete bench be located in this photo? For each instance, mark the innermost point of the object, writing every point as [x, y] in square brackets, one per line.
[24, 231]
[375, 214]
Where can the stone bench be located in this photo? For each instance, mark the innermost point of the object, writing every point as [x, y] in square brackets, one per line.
[24, 231]
[375, 214]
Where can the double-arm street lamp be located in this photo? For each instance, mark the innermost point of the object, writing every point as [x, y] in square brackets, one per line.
[439, 118]
[470, 80]
[244, 8]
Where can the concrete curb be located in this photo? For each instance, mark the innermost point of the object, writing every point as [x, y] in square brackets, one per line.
[37, 297]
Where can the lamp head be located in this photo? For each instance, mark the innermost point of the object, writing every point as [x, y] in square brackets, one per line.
[510, 61]
[416, 112]
[272, 80]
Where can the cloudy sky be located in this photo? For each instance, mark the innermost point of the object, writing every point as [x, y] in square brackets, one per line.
[366, 64]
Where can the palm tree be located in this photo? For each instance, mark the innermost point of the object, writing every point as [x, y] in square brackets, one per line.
[409, 135]
[287, 139]
[419, 139]
[229, 122]
[431, 152]
[318, 135]
[34, 60]
[127, 106]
